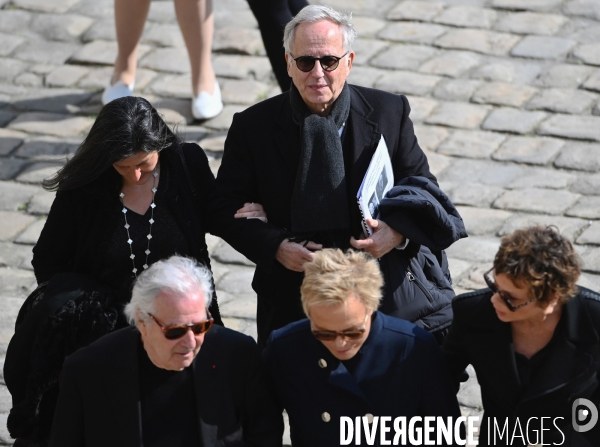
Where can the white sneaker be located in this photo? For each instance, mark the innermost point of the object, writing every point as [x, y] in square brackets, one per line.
[205, 105]
[117, 90]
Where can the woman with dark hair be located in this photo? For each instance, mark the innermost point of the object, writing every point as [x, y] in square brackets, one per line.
[131, 195]
[533, 339]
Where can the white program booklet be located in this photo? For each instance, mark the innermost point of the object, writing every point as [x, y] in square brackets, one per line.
[378, 180]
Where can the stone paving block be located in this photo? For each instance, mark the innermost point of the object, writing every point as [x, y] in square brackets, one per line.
[569, 126]
[365, 76]
[174, 111]
[13, 223]
[543, 47]
[95, 8]
[45, 52]
[437, 163]
[37, 172]
[61, 27]
[238, 41]
[564, 101]
[451, 63]
[430, 137]
[214, 142]
[162, 12]
[226, 254]
[458, 268]
[482, 171]
[8, 43]
[475, 279]
[243, 92]
[513, 120]
[517, 72]
[365, 49]
[590, 281]
[480, 41]
[530, 150]
[10, 167]
[537, 200]
[583, 31]
[170, 60]
[586, 208]
[457, 114]
[591, 261]
[474, 249]
[420, 108]
[467, 16]
[56, 124]
[103, 29]
[564, 76]
[591, 235]
[243, 325]
[531, 23]
[589, 54]
[482, 221]
[471, 144]
[581, 156]
[29, 80]
[6, 117]
[407, 83]
[568, 226]
[41, 202]
[588, 184]
[533, 177]
[52, 148]
[163, 35]
[531, 5]
[55, 6]
[584, 8]
[219, 270]
[58, 100]
[456, 89]
[415, 10]
[14, 196]
[31, 234]
[102, 52]
[367, 26]
[178, 86]
[501, 93]
[237, 281]
[223, 121]
[66, 76]
[5, 400]
[403, 57]
[593, 82]
[474, 194]
[242, 67]
[414, 32]
[242, 306]
[14, 283]
[15, 20]
[10, 140]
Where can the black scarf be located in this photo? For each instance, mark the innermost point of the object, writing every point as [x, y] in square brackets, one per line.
[320, 199]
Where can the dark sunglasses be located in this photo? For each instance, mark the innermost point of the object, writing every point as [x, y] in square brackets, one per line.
[175, 332]
[494, 288]
[328, 63]
[331, 335]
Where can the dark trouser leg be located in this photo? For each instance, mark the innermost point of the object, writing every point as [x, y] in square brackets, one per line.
[272, 16]
[273, 314]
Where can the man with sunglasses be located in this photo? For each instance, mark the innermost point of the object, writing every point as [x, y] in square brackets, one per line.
[173, 379]
[303, 155]
[349, 360]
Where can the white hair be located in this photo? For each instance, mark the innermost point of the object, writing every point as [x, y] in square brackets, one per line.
[177, 276]
[316, 13]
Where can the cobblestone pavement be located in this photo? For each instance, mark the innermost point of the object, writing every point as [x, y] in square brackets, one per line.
[504, 94]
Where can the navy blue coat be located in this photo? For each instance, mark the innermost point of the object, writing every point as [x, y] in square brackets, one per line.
[400, 372]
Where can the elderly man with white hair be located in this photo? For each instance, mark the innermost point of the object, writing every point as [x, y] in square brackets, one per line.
[172, 379]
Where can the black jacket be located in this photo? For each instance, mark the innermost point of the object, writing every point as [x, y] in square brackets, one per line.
[98, 405]
[260, 162]
[570, 371]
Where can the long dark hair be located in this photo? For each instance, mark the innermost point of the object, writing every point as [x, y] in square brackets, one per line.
[124, 127]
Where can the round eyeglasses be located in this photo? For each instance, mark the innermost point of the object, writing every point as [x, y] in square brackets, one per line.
[328, 63]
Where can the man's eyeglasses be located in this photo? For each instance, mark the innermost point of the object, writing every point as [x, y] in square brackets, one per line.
[175, 332]
[494, 288]
[328, 63]
[331, 335]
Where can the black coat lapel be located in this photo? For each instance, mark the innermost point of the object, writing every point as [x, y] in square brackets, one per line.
[123, 390]
[288, 137]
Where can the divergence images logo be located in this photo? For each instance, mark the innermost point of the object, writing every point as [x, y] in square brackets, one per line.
[580, 415]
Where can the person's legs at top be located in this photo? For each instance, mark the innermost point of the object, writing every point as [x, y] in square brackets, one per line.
[130, 17]
[196, 20]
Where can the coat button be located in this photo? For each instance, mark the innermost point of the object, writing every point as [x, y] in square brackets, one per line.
[369, 417]
[326, 417]
[322, 363]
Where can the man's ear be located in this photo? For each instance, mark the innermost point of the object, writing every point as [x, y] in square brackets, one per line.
[288, 64]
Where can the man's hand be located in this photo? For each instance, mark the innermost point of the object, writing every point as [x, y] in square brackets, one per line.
[251, 211]
[293, 255]
[382, 241]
